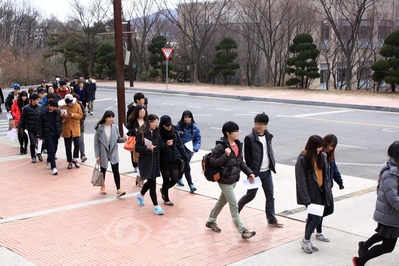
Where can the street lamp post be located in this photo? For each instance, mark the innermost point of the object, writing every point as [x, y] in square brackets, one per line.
[120, 73]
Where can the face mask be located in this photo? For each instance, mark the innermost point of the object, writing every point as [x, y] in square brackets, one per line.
[57, 79]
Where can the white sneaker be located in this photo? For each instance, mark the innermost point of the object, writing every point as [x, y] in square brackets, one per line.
[55, 171]
[48, 165]
[306, 246]
[322, 237]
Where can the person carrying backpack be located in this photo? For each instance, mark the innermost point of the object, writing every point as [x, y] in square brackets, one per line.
[228, 155]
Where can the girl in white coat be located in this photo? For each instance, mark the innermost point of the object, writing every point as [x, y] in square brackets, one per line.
[106, 142]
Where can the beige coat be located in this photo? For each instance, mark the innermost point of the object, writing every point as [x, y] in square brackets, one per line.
[70, 124]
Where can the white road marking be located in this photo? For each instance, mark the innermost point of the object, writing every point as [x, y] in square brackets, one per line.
[354, 147]
[203, 114]
[106, 109]
[168, 104]
[106, 99]
[353, 164]
[221, 109]
[217, 128]
[244, 114]
[324, 113]
[64, 208]
[193, 106]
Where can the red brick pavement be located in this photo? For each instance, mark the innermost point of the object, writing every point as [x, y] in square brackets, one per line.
[117, 231]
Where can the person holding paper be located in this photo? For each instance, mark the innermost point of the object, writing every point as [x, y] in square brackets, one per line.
[50, 128]
[29, 119]
[106, 141]
[16, 110]
[190, 135]
[312, 185]
[386, 212]
[147, 144]
[227, 154]
[259, 157]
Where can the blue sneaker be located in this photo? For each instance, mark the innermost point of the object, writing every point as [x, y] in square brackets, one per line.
[180, 182]
[192, 188]
[158, 210]
[140, 199]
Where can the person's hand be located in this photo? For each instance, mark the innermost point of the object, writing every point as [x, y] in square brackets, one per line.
[341, 186]
[251, 178]
[169, 142]
[227, 151]
[39, 139]
[98, 159]
[125, 137]
[151, 147]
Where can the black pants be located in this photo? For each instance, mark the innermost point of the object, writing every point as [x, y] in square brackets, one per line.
[133, 163]
[170, 178]
[115, 171]
[23, 139]
[327, 211]
[311, 224]
[187, 173]
[151, 185]
[387, 245]
[68, 148]
[52, 146]
[32, 139]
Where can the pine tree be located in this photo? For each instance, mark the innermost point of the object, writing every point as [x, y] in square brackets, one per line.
[157, 58]
[223, 62]
[303, 64]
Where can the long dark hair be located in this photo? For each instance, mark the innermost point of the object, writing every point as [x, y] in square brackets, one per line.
[181, 122]
[135, 114]
[314, 142]
[393, 153]
[21, 103]
[330, 140]
[146, 127]
[107, 114]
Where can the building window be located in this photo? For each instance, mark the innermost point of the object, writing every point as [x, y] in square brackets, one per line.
[341, 74]
[345, 29]
[324, 73]
[364, 71]
[365, 33]
[385, 27]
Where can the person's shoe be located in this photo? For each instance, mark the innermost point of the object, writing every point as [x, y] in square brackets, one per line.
[40, 157]
[213, 226]
[91, 113]
[120, 193]
[306, 246]
[322, 238]
[21, 151]
[314, 248]
[69, 166]
[180, 182]
[354, 261]
[140, 199]
[48, 165]
[84, 159]
[25, 150]
[158, 210]
[55, 171]
[76, 163]
[275, 223]
[44, 151]
[362, 249]
[246, 234]
[33, 159]
[103, 190]
[162, 195]
[169, 203]
[192, 188]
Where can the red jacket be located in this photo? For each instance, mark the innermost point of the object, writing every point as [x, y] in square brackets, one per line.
[16, 112]
[63, 93]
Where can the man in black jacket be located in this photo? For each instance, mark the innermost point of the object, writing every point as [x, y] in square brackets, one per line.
[49, 128]
[29, 120]
[259, 157]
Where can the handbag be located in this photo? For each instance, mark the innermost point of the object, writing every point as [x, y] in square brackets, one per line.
[97, 179]
[130, 143]
[180, 163]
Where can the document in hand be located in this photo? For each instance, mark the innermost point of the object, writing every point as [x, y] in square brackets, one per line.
[39, 146]
[315, 209]
[256, 184]
[125, 130]
[189, 145]
[12, 134]
[9, 116]
[147, 142]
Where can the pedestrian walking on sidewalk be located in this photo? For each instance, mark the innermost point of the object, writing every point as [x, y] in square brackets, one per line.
[134, 122]
[16, 110]
[259, 157]
[29, 121]
[71, 114]
[386, 212]
[228, 155]
[189, 132]
[49, 129]
[91, 88]
[330, 142]
[312, 185]
[82, 149]
[106, 141]
[171, 148]
[149, 160]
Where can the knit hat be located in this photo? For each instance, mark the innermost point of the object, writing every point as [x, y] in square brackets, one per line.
[166, 121]
[68, 98]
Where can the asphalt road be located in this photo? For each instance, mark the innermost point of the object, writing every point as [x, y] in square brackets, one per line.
[363, 136]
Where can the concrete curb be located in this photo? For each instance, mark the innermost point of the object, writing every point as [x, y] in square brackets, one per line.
[264, 99]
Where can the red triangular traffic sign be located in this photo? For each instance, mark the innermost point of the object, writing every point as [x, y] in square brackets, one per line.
[167, 52]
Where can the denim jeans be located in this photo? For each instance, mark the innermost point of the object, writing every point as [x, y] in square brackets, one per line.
[33, 139]
[268, 189]
[227, 196]
[52, 145]
[82, 145]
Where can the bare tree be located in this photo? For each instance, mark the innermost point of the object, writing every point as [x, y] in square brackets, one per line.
[197, 21]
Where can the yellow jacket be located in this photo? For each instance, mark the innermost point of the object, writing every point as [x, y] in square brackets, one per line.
[70, 119]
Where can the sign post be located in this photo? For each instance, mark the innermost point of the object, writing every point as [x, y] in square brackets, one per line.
[167, 52]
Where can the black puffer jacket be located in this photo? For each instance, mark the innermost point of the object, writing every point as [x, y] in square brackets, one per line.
[253, 151]
[30, 117]
[169, 154]
[9, 101]
[232, 165]
[43, 128]
[307, 188]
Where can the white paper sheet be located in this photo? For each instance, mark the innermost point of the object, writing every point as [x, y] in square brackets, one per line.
[12, 134]
[189, 145]
[147, 142]
[39, 147]
[26, 132]
[256, 184]
[125, 130]
[9, 116]
[63, 111]
[315, 209]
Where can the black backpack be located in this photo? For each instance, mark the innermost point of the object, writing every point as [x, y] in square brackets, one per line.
[211, 173]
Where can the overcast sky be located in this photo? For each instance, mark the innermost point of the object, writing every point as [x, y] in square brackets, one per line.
[59, 8]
